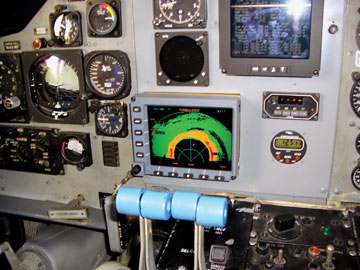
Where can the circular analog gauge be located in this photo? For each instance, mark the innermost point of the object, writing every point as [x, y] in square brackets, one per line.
[54, 86]
[181, 58]
[355, 177]
[179, 11]
[73, 150]
[106, 75]
[102, 19]
[109, 120]
[357, 144]
[355, 98]
[288, 147]
[66, 28]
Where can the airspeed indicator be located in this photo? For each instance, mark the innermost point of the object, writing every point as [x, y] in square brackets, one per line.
[108, 74]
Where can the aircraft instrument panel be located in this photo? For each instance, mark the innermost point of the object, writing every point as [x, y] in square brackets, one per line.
[245, 111]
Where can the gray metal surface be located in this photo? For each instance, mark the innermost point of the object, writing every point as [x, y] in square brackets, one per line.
[259, 173]
[346, 157]
[308, 180]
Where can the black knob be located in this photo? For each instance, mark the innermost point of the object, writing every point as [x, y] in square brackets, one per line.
[284, 222]
[135, 170]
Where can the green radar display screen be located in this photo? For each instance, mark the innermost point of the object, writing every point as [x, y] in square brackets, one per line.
[191, 137]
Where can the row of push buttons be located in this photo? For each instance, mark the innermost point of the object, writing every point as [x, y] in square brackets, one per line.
[190, 175]
[272, 69]
[287, 160]
[287, 113]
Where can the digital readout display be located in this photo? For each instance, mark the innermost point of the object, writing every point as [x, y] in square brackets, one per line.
[190, 137]
[289, 143]
[291, 100]
[271, 28]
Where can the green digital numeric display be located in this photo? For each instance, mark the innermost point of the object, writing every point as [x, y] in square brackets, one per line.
[289, 143]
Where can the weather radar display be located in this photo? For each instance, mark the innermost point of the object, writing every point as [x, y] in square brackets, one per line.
[191, 137]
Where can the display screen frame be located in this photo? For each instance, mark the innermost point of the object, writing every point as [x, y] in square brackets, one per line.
[142, 135]
[206, 119]
[264, 66]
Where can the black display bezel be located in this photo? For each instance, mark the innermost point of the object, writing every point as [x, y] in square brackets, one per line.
[123, 58]
[121, 106]
[84, 138]
[58, 43]
[75, 57]
[117, 31]
[247, 66]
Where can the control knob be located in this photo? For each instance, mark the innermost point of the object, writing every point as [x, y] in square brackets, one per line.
[12, 103]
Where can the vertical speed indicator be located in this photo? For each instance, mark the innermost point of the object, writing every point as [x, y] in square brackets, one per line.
[107, 75]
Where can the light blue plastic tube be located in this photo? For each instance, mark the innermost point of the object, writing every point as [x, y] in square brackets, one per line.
[184, 204]
[156, 205]
[212, 211]
[128, 200]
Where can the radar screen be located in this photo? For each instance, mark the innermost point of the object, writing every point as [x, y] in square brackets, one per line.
[186, 136]
[278, 29]
[191, 137]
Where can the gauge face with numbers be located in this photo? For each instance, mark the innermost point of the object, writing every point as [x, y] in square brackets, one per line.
[109, 120]
[102, 19]
[355, 98]
[67, 28]
[355, 177]
[106, 75]
[179, 11]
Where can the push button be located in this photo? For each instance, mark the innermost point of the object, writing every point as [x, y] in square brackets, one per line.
[218, 254]
[139, 144]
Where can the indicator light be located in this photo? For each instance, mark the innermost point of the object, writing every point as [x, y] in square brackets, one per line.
[326, 231]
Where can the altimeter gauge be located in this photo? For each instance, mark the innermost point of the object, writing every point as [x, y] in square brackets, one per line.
[111, 119]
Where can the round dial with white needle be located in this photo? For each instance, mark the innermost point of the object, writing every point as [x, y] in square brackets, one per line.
[102, 19]
[66, 28]
[179, 11]
[106, 75]
[109, 120]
